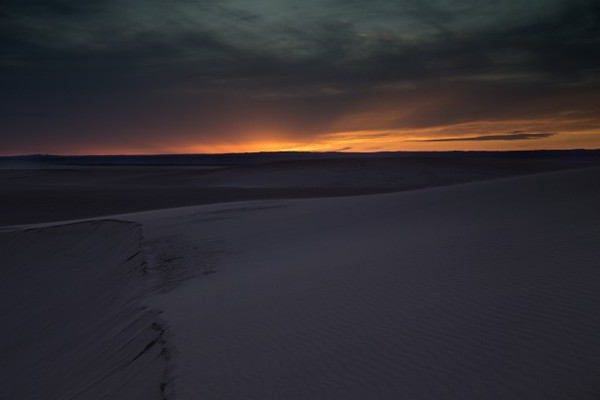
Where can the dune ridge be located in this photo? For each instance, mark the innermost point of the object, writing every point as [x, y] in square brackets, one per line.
[75, 326]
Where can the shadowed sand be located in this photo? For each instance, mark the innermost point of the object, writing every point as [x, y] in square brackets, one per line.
[74, 324]
[45, 193]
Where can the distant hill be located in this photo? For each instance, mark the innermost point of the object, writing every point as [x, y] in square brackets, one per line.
[263, 157]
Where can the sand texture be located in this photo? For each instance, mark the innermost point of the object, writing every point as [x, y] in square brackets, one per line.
[74, 326]
[485, 290]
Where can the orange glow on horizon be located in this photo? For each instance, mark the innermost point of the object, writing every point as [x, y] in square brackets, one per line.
[580, 134]
[569, 134]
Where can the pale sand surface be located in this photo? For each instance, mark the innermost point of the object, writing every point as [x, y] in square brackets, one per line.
[480, 291]
[484, 290]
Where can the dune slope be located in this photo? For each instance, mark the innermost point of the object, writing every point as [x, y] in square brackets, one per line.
[486, 290]
[74, 326]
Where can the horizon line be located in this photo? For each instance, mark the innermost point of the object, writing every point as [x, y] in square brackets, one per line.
[297, 152]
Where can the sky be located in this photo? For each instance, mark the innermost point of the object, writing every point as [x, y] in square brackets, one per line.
[210, 76]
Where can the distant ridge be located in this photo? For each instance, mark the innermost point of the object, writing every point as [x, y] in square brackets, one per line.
[263, 157]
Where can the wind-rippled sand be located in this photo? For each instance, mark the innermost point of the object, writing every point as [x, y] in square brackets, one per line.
[74, 324]
[480, 291]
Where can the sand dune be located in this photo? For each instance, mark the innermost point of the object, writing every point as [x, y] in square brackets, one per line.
[485, 290]
[74, 326]
[479, 291]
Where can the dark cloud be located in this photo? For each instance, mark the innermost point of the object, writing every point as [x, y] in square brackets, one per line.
[346, 148]
[219, 70]
[509, 136]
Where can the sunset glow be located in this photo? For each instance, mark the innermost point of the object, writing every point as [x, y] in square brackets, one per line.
[329, 76]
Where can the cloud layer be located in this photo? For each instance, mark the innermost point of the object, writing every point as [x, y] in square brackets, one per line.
[147, 76]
